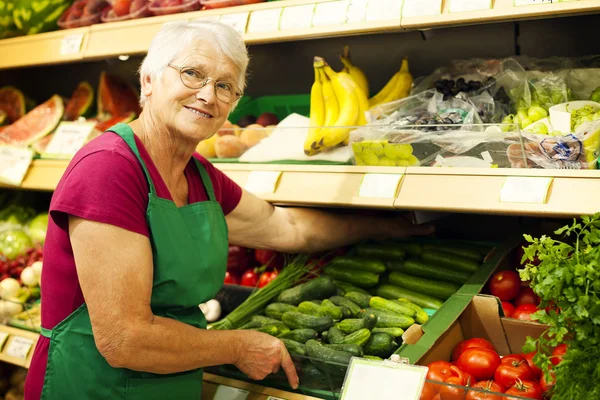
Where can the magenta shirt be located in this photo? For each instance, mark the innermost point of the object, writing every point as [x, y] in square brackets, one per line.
[105, 183]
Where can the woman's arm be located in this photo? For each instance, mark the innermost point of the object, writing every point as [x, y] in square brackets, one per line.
[114, 267]
[255, 223]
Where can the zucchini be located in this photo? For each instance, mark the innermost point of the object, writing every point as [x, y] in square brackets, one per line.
[380, 345]
[312, 377]
[351, 325]
[395, 332]
[335, 312]
[474, 253]
[353, 349]
[388, 305]
[361, 299]
[344, 302]
[297, 320]
[348, 287]
[422, 300]
[276, 310]
[427, 269]
[360, 337]
[437, 289]
[293, 347]
[318, 288]
[386, 319]
[329, 361]
[387, 251]
[362, 279]
[450, 260]
[335, 336]
[300, 335]
[420, 315]
[374, 358]
[359, 264]
[310, 308]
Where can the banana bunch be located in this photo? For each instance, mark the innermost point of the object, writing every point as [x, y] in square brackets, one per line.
[337, 103]
[398, 87]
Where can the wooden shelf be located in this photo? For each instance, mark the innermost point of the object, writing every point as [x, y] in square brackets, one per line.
[28, 341]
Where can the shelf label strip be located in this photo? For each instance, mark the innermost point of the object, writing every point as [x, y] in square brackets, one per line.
[237, 21]
[421, 8]
[262, 181]
[264, 20]
[331, 13]
[381, 186]
[518, 3]
[68, 139]
[71, 44]
[357, 11]
[230, 393]
[384, 10]
[469, 5]
[297, 17]
[523, 189]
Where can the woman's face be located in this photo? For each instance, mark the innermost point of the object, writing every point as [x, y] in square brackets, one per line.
[194, 113]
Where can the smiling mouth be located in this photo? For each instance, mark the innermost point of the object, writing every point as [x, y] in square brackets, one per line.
[198, 112]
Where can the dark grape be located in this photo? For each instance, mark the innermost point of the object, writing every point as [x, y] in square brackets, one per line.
[460, 81]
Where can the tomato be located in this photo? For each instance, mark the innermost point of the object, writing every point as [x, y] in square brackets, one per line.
[508, 308]
[527, 296]
[545, 385]
[512, 369]
[436, 397]
[527, 389]
[439, 371]
[453, 393]
[537, 372]
[266, 278]
[231, 279]
[481, 363]
[270, 258]
[239, 259]
[429, 391]
[470, 343]
[466, 379]
[487, 386]
[249, 278]
[505, 285]
[121, 7]
[524, 311]
[558, 353]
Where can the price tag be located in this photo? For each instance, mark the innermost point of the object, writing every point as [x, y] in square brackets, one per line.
[14, 163]
[3, 337]
[297, 17]
[469, 5]
[262, 181]
[534, 2]
[71, 44]
[19, 347]
[237, 21]
[230, 393]
[384, 10]
[264, 20]
[331, 13]
[68, 139]
[357, 11]
[383, 186]
[385, 380]
[420, 8]
[523, 189]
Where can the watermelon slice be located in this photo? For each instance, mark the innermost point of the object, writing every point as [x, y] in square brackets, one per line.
[12, 102]
[105, 124]
[35, 124]
[116, 97]
[80, 103]
[2, 117]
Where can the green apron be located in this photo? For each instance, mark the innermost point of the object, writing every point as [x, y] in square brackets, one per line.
[189, 248]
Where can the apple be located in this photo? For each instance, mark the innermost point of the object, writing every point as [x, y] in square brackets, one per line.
[121, 7]
[266, 119]
[226, 129]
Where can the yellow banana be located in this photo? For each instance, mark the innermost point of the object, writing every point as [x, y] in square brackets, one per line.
[332, 107]
[317, 113]
[355, 72]
[403, 84]
[387, 89]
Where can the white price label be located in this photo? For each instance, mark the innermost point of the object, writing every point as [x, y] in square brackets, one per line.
[230, 393]
[3, 337]
[71, 44]
[262, 181]
[297, 17]
[357, 11]
[420, 8]
[331, 13]
[469, 5]
[534, 2]
[68, 139]
[19, 347]
[14, 163]
[237, 21]
[383, 186]
[264, 20]
[384, 10]
[523, 189]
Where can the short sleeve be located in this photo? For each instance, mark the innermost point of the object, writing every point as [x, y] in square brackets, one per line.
[105, 186]
[227, 192]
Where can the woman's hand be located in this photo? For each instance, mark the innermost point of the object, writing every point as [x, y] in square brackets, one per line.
[261, 355]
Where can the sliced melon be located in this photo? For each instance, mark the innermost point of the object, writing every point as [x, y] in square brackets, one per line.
[36, 124]
[116, 97]
[80, 103]
[107, 123]
[12, 102]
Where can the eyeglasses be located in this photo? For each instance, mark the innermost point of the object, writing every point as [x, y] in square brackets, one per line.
[226, 91]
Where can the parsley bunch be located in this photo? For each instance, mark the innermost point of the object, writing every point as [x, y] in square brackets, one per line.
[567, 280]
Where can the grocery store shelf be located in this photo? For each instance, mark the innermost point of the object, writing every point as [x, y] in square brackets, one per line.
[256, 392]
[17, 345]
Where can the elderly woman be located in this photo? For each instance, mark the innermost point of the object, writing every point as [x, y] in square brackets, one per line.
[138, 237]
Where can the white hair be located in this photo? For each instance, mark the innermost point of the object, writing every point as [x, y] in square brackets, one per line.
[175, 36]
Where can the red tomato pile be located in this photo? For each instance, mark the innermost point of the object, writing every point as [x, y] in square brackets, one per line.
[475, 363]
[245, 266]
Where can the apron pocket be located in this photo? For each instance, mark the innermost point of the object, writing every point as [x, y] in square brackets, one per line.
[181, 386]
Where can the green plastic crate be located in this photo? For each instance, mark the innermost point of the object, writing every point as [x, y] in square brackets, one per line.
[281, 106]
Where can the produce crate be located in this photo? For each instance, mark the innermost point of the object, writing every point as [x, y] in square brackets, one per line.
[281, 106]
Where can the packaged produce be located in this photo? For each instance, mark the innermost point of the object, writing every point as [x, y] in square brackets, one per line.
[123, 10]
[166, 7]
[83, 13]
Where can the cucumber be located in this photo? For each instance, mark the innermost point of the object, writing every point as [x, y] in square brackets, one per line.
[427, 269]
[450, 260]
[294, 347]
[420, 315]
[250, 325]
[276, 310]
[386, 252]
[351, 325]
[335, 336]
[474, 253]
[344, 302]
[359, 264]
[297, 320]
[395, 332]
[324, 336]
[300, 335]
[312, 377]
[361, 299]
[318, 288]
[353, 349]
[380, 345]
[335, 312]
[388, 305]
[386, 319]
[268, 329]
[362, 279]
[328, 361]
[437, 289]
[374, 358]
[348, 287]
[310, 308]
[360, 337]
[262, 320]
[422, 300]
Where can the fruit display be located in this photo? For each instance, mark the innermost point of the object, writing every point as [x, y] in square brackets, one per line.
[518, 299]
[252, 268]
[12, 102]
[123, 10]
[165, 7]
[8, 28]
[83, 13]
[30, 19]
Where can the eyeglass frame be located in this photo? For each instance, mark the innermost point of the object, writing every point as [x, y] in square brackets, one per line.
[179, 68]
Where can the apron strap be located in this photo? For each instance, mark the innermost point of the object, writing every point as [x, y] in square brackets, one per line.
[47, 333]
[126, 133]
[206, 181]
